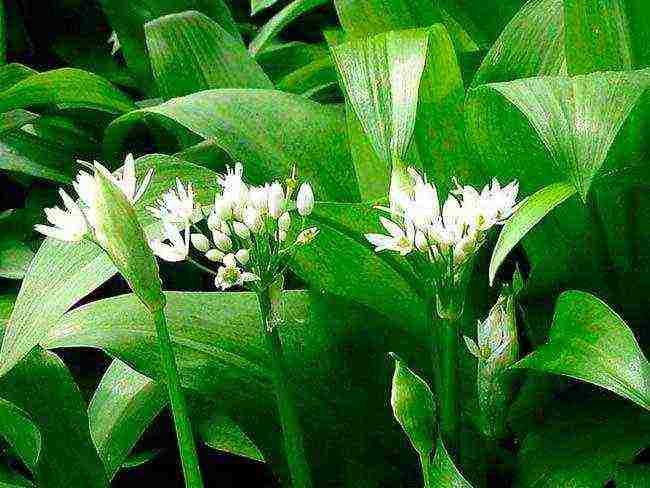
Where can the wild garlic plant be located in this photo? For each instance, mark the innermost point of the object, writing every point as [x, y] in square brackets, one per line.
[246, 240]
[442, 243]
[105, 216]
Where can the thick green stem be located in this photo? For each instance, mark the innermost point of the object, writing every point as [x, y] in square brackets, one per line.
[291, 429]
[447, 340]
[189, 459]
[425, 463]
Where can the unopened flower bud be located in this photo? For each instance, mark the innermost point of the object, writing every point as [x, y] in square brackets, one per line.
[284, 222]
[214, 255]
[200, 242]
[276, 200]
[259, 197]
[307, 236]
[229, 260]
[213, 221]
[242, 256]
[241, 230]
[253, 220]
[282, 235]
[223, 209]
[305, 200]
[222, 241]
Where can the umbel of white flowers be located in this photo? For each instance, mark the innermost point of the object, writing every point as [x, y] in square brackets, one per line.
[447, 237]
[245, 231]
[77, 221]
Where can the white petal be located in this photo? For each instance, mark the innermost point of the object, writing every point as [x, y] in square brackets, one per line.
[394, 229]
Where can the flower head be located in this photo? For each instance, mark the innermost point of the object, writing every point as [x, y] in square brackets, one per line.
[399, 240]
[68, 225]
[177, 205]
[178, 246]
[230, 274]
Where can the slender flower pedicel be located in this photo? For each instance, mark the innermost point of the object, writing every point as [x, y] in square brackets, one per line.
[442, 244]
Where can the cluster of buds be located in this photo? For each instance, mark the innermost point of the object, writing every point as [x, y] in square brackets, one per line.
[496, 351]
[77, 221]
[246, 231]
[449, 237]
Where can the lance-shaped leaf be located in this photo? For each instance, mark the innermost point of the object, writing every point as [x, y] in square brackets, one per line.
[190, 52]
[529, 212]
[531, 44]
[414, 407]
[123, 405]
[68, 87]
[120, 234]
[65, 273]
[42, 386]
[20, 432]
[590, 342]
[442, 472]
[220, 432]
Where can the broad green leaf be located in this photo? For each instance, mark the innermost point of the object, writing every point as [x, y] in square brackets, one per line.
[414, 407]
[128, 18]
[12, 73]
[14, 259]
[341, 261]
[123, 405]
[335, 351]
[597, 36]
[580, 444]
[190, 52]
[443, 473]
[309, 77]
[281, 59]
[221, 433]
[66, 87]
[532, 44]
[66, 273]
[42, 386]
[269, 131]
[21, 433]
[590, 342]
[279, 21]
[363, 18]
[120, 234]
[529, 212]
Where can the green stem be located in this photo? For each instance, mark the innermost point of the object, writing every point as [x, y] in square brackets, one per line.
[292, 432]
[425, 463]
[189, 459]
[447, 333]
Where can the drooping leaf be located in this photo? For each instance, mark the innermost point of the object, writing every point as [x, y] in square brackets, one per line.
[532, 44]
[189, 52]
[21, 433]
[123, 405]
[14, 259]
[581, 443]
[529, 212]
[42, 386]
[279, 21]
[269, 131]
[590, 342]
[442, 472]
[66, 273]
[67, 87]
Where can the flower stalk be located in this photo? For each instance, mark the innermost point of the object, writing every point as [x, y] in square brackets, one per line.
[184, 435]
[268, 297]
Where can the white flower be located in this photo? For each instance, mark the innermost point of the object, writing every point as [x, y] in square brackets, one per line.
[501, 201]
[69, 225]
[259, 197]
[307, 236]
[177, 205]
[399, 240]
[230, 274]
[305, 199]
[115, 43]
[241, 230]
[200, 242]
[214, 255]
[235, 190]
[284, 222]
[276, 200]
[253, 220]
[242, 256]
[221, 240]
[214, 222]
[178, 247]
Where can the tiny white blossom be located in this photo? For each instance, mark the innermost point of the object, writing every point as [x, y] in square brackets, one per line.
[230, 274]
[177, 205]
[242, 256]
[399, 240]
[253, 220]
[241, 230]
[223, 208]
[214, 255]
[305, 199]
[214, 222]
[221, 240]
[68, 225]
[276, 200]
[235, 190]
[178, 247]
[200, 242]
[259, 197]
[284, 222]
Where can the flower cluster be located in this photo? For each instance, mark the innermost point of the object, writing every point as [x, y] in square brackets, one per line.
[245, 231]
[447, 237]
[77, 221]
